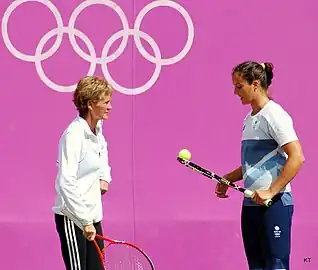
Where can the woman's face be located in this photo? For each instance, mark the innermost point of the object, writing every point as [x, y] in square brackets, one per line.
[243, 89]
[99, 110]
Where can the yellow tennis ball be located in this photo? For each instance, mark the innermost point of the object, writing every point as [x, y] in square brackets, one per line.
[185, 154]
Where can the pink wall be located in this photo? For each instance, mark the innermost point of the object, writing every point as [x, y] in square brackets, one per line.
[168, 210]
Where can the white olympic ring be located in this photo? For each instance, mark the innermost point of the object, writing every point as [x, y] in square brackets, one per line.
[92, 57]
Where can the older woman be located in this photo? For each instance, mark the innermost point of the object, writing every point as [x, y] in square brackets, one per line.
[83, 175]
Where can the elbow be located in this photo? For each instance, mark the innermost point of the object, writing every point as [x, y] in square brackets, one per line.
[298, 156]
[297, 159]
[67, 181]
[300, 159]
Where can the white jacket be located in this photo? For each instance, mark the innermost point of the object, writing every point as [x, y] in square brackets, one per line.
[82, 163]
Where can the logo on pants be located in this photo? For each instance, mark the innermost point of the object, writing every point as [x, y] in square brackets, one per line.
[277, 232]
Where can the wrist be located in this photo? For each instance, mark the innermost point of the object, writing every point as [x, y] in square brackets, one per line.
[273, 190]
[88, 223]
[107, 181]
[226, 176]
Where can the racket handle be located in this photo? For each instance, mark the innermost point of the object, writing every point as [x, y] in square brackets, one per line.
[250, 193]
[268, 203]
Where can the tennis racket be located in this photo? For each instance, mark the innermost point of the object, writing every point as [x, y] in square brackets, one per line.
[118, 255]
[211, 175]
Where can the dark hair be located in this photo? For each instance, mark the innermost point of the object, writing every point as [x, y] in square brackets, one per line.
[251, 71]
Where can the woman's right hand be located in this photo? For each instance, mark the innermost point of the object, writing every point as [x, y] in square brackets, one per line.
[89, 232]
[220, 190]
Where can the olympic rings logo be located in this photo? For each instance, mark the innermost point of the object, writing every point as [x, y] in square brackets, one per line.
[92, 58]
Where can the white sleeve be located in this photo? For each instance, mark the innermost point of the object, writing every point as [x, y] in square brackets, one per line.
[281, 128]
[69, 158]
[105, 168]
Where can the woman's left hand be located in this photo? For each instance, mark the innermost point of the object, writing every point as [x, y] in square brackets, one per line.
[103, 186]
[260, 196]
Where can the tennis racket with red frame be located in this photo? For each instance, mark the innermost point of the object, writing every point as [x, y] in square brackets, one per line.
[118, 255]
[121, 255]
[211, 175]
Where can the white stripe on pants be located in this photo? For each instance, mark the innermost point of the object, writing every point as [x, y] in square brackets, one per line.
[72, 244]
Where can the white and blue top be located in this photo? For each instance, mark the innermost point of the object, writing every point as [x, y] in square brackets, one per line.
[262, 155]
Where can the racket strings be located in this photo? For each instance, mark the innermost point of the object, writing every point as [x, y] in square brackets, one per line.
[125, 257]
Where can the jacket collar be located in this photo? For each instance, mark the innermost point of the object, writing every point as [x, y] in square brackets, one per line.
[87, 128]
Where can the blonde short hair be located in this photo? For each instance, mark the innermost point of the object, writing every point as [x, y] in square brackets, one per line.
[90, 88]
